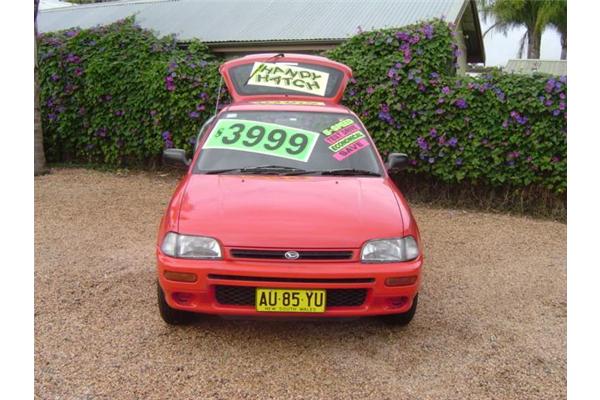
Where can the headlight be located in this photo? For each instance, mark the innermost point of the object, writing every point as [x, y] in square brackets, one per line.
[390, 250]
[183, 246]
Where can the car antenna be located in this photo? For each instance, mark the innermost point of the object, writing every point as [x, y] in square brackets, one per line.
[266, 61]
[218, 95]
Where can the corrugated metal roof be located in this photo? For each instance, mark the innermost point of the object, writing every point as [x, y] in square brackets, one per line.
[528, 67]
[254, 20]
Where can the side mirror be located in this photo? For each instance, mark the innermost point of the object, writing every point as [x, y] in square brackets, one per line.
[176, 157]
[397, 161]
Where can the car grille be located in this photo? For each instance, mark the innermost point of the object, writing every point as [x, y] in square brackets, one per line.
[293, 280]
[303, 254]
[246, 296]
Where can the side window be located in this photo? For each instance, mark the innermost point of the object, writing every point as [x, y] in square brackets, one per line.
[203, 130]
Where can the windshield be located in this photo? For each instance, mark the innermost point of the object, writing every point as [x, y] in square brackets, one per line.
[284, 142]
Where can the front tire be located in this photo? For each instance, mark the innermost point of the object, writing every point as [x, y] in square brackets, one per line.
[171, 315]
[403, 318]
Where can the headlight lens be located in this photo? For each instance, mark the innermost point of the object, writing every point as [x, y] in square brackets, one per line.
[390, 250]
[184, 246]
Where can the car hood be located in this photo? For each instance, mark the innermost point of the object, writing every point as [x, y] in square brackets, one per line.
[289, 212]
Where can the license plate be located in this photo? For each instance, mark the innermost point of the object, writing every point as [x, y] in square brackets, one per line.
[290, 300]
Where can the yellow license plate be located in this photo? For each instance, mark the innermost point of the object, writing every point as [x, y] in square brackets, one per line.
[290, 300]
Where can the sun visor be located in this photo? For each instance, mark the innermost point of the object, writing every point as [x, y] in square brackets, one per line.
[285, 76]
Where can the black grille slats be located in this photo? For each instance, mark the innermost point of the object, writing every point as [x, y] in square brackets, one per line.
[303, 254]
[246, 296]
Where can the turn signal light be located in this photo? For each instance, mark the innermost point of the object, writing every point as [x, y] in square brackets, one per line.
[401, 281]
[180, 276]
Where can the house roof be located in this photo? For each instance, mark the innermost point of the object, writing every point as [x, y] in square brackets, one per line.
[528, 67]
[258, 21]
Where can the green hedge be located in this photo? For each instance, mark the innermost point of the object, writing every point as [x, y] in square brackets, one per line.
[119, 95]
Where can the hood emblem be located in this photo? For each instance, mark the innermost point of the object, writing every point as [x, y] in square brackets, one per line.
[291, 255]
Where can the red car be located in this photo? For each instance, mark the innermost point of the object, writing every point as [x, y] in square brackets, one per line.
[287, 208]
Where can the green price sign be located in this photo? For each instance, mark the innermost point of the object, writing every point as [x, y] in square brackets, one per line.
[263, 138]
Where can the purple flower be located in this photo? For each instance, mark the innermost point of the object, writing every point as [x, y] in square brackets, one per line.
[562, 96]
[550, 83]
[452, 142]
[442, 140]
[433, 132]
[194, 114]
[458, 161]
[461, 103]
[440, 100]
[446, 90]
[203, 96]
[166, 135]
[119, 113]
[192, 140]
[52, 117]
[413, 162]
[431, 160]
[414, 39]
[563, 79]
[168, 144]
[439, 111]
[101, 132]
[562, 105]
[555, 159]
[71, 33]
[72, 58]
[152, 113]
[422, 143]
[200, 107]
[548, 103]
[427, 31]
[370, 90]
[403, 36]
[54, 77]
[513, 155]
[78, 71]
[434, 75]
[556, 112]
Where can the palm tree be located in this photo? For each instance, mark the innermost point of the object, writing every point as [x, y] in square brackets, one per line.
[39, 159]
[510, 14]
[554, 13]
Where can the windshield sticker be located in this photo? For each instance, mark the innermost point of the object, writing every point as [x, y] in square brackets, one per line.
[263, 138]
[342, 133]
[289, 77]
[356, 136]
[351, 149]
[337, 126]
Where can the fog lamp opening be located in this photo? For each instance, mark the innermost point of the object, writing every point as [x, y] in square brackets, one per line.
[182, 297]
[400, 281]
[180, 276]
[397, 302]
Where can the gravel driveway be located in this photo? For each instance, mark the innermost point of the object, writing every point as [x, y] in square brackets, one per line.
[491, 321]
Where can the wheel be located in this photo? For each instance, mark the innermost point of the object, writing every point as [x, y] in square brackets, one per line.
[403, 318]
[171, 315]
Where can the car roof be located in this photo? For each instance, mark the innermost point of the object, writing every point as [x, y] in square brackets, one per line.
[288, 105]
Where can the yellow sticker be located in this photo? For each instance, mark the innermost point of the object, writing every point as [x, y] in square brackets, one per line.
[289, 77]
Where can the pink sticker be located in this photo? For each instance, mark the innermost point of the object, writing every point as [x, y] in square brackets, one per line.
[342, 133]
[350, 149]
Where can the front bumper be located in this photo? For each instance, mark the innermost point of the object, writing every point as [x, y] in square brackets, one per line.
[200, 296]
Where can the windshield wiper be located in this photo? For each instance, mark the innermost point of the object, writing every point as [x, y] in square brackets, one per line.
[272, 169]
[348, 171]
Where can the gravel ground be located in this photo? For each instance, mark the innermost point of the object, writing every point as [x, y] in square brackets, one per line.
[491, 322]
